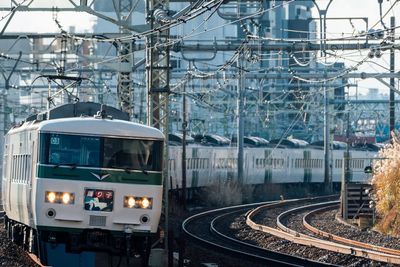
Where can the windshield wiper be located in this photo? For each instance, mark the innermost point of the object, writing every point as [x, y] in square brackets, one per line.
[56, 165]
[72, 165]
[129, 170]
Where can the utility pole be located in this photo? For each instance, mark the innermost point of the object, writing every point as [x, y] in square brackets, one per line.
[392, 82]
[346, 161]
[327, 168]
[240, 108]
[184, 128]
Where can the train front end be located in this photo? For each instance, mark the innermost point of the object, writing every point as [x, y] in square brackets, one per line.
[98, 185]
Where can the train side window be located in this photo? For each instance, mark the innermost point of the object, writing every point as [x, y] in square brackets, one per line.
[12, 167]
[22, 169]
[25, 170]
[22, 176]
[19, 180]
[15, 169]
[28, 158]
[18, 169]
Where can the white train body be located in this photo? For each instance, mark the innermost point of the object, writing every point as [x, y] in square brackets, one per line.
[63, 178]
[207, 165]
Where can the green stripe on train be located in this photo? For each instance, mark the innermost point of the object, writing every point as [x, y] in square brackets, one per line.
[79, 231]
[115, 176]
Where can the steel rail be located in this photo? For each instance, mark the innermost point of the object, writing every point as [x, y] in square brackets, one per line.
[284, 258]
[342, 239]
[302, 239]
[208, 243]
[211, 244]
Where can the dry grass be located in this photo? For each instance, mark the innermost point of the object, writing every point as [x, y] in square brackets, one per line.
[386, 185]
[227, 194]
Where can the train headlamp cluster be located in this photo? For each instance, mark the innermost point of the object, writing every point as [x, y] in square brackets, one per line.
[60, 197]
[133, 202]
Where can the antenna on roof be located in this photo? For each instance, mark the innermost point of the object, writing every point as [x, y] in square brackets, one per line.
[102, 114]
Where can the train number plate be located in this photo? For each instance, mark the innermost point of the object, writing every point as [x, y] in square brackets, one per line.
[99, 200]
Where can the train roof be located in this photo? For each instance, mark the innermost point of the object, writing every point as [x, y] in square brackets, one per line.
[290, 142]
[368, 146]
[177, 138]
[78, 119]
[78, 109]
[252, 141]
[98, 126]
[211, 140]
[336, 145]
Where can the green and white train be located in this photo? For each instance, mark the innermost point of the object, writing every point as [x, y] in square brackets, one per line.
[89, 183]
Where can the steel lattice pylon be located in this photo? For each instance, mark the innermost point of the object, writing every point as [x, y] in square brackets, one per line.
[125, 53]
[157, 85]
[125, 88]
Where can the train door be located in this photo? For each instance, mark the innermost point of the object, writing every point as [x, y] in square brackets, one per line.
[31, 176]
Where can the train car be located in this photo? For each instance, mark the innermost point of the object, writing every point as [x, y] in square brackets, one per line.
[279, 162]
[83, 182]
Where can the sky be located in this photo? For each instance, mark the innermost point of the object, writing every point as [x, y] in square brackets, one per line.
[44, 23]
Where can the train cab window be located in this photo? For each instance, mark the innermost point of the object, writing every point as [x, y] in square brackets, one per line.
[103, 152]
[132, 154]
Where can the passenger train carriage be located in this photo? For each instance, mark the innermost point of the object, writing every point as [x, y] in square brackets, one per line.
[270, 164]
[89, 183]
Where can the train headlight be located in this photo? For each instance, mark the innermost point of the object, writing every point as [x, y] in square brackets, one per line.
[67, 198]
[59, 197]
[131, 202]
[145, 203]
[138, 202]
[51, 197]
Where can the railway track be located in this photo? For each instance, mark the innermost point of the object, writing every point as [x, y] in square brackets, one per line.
[30, 255]
[303, 233]
[307, 224]
[207, 229]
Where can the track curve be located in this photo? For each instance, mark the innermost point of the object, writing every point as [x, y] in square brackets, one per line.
[307, 225]
[301, 237]
[212, 236]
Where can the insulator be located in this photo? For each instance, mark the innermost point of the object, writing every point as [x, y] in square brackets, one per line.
[371, 54]
[161, 15]
[378, 53]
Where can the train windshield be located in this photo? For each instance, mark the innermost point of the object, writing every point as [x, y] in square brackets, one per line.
[101, 152]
